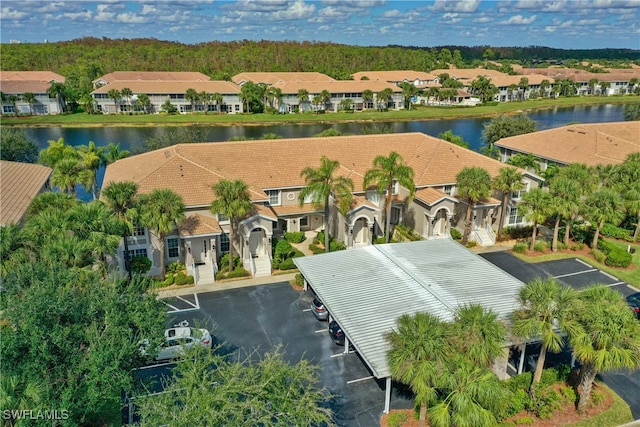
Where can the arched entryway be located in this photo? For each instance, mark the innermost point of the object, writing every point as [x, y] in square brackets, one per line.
[440, 223]
[360, 232]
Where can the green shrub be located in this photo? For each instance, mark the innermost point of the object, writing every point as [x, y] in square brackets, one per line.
[313, 247]
[618, 258]
[599, 255]
[577, 246]
[520, 247]
[518, 402]
[518, 232]
[295, 236]
[296, 253]
[283, 249]
[522, 421]
[238, 272]
[183, 279]
[320, 237]
[299, 279]
[379, 240]
[224, 262]
[140, 264]
[472, 244]
[561, 246]
[520, 381]
[336, 245]
[605, 246]
[168, 281]
[175, 267]
[581, 234]
[569, 395]
[396, 419]
[545, 402]
[455, 234]
[596, 397]
[287, 264]
[540, 246]
[614, 232]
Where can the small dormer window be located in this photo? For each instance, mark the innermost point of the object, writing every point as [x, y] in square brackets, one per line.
[448, 189]
[274, 197]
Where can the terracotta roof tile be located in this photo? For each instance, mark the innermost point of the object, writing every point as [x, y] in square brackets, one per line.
[593, 144]
[296, 209]
[191, 169]
[336, 86]
[38, 76]
[577, 75]
[154, 76]
[467, 73]
[430, 195]
[198, 224]
[172, 86]
[394, 76]
[19, 184]
[24, 86]
[275, 77]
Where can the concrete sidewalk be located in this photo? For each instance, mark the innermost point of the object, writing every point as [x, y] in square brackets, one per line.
[227, 284]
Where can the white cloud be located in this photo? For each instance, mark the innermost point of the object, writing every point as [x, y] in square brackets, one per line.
[482, 20]
[393, 13]
[79, 16]
[102, 14]
[519, 20]
[463, 6]
[131, 18]
[6, 13]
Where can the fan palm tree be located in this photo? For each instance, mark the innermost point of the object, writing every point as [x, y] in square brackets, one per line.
[565, 195]
[303, 98]
[232, 199]
[473, 184]
[121, 198]
[382, 98]
[30, 99]
[367, 97]
[477, 333]
[56, 151]
[419, 351]
[161, 210]
[582, 175]
[192, 96]
[217, 99]
[143, 102]
[58, 91]
[630, 176]
[205, 99]
[70, 172]
[603, 205]
[112, 153]
[93, 158]
[608, 337]
[116, 96]
[325, 95]
[321, 183]
[535, 206]
[94, 222]
[385, 174]
[508, 181]
[126, 93]
[546, 310]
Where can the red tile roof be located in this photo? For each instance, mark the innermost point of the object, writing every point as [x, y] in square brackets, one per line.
[19, 184]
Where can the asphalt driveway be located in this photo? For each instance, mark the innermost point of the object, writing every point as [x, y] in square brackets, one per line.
[251, 321]
[579, 275]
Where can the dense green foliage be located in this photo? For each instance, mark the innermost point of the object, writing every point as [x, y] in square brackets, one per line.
[16, 146]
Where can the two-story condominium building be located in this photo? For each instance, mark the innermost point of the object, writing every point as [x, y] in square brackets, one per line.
[617, 81]
[511, 89]
[14, 85]
[272, 171]
[222, 96]
[344, 94]
[416, 78]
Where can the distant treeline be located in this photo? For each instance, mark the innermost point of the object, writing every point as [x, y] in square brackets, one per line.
[88, 57]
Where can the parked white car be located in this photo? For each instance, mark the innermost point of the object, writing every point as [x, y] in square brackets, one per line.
[177, 340]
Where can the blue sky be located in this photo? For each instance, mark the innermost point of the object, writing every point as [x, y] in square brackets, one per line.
[567, 24]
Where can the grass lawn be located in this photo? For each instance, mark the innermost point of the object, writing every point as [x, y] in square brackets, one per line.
[630, 275]
[419, 113]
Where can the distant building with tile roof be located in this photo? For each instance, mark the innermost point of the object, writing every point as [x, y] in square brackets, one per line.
[150, 76]
[18, 83]
[272, 171]
[271, 78]
[19, 184]
[590, 143]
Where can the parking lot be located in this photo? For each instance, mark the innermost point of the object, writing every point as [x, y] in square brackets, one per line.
[254, 320]
[579, 275]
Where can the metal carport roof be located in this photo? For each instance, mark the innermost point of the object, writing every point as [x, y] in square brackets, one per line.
[367, 289]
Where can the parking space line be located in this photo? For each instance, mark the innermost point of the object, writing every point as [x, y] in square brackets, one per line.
[159, 365]
[169, 305]
[306, 309]
[575, 274]
[337, 355]
[616, 284]
[196, 305]
[608, 275]
[360, 379]
[582, 262]
[319, 331]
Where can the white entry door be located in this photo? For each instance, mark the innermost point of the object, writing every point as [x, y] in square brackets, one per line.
[256, 243]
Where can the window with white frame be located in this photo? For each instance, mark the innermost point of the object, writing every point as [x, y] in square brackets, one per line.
[224, 243]
[138, 252]
[222, 217]
[395, 215]
[308, 198]
[514, 216]
[517, 194]
[138, 231]
[173, 244]
[448, 189]
[274, 197]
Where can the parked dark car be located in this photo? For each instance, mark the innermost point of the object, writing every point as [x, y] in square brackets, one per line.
[634, 302]
[335, 331]
[319, 310]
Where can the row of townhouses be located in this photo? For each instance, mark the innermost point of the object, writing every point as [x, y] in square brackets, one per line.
[225, 97]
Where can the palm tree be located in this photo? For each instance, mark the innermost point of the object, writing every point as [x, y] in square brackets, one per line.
[382, 98]
[474, 184]
[317, 100]
[508, 181]
[217, 100]
[385, 174]
[112, 153]
[303, 98]
[321, 183]
[19, 394]
[232, 199]
[70, 172]
[477, 333]
[50, 200]
[591, 85]
[29, 98]
[143, 102]
[544, 87]
[630, 176]
[192, 96]
[535, 207]
[325, 96]
[608, 337]
[565, 195]
[94, 223]
[274, 97]
[121, 198]
[419, 351]
[603, 205]
[93, 158]
[126, 93]
[367, 97]
[604, 86]
[205, 99]
[116, 96]
[545, 313]
[58, 91]
[523, 85]
[434, 93]
[56, 151]
[161, 211]
[582, 175]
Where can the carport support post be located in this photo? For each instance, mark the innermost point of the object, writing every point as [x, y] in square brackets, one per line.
[523, 347]
[306, 284]
[387, 395]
